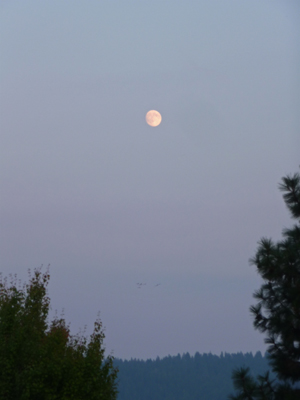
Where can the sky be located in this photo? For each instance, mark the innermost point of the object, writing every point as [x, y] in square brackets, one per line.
[108, 201]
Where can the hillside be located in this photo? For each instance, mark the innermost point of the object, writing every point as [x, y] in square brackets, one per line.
[198, 377]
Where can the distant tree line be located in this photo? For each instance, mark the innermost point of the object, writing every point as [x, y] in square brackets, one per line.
[183, 377]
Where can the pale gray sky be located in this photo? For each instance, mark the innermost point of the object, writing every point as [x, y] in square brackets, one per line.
[87, 186]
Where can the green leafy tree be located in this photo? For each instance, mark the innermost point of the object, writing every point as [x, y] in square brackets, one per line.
[277, 311]
[43, 361]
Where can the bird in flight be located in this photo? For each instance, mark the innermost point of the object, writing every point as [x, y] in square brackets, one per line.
[139, 285]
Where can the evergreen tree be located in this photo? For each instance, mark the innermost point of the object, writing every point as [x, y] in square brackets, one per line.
[42, 361]
[277, 311]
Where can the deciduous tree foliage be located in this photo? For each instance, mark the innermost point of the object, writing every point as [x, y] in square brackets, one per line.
[277, 311]
[43, 361]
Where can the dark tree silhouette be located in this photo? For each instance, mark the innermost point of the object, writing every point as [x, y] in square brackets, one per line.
[277, 311]
[41, 361]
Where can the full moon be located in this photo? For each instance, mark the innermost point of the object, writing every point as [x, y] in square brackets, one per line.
[153, 118]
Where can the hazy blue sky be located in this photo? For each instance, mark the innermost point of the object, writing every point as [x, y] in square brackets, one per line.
[89, 187]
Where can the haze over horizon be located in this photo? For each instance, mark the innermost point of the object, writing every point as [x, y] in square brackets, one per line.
[108, 201]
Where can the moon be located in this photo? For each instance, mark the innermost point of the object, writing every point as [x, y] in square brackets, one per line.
[153, 118]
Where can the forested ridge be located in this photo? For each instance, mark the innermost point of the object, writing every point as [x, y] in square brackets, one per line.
[184, 377]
